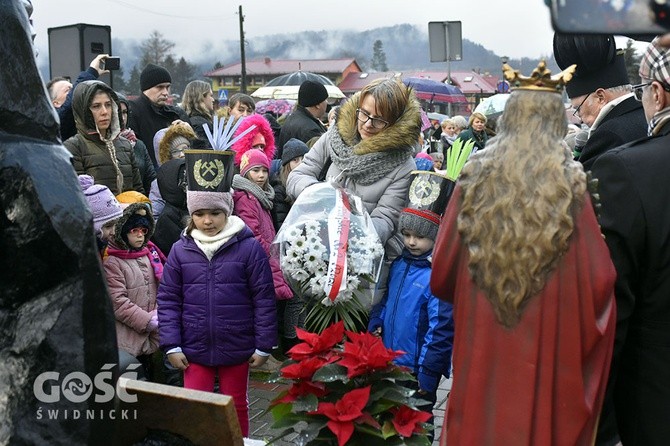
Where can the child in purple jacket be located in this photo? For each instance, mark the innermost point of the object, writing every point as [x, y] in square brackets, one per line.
[216, 302]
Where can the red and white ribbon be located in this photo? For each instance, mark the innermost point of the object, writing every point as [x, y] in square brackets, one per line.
[339, 221]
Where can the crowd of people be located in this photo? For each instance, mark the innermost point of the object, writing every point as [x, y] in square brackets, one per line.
[558, 336]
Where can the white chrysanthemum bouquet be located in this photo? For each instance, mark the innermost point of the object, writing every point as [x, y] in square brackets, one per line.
[331, 255]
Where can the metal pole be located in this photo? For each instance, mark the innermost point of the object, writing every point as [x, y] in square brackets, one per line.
[449, 106]
[243, 83]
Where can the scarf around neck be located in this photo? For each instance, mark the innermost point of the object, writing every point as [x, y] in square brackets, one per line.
[657, 122]
[156, 257]
[367, 168]
[210, 244]
[265, 196]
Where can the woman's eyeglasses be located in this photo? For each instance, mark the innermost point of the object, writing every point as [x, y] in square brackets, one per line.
[639, 89]
[377, 123]
[139, 231]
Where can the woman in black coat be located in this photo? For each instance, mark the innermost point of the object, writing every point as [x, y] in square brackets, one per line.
[199, 105]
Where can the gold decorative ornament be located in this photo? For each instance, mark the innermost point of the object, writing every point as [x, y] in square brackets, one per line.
[540, 79]
[212, 168]
[423, 192]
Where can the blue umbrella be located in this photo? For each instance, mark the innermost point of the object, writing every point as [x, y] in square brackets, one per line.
[434, 91]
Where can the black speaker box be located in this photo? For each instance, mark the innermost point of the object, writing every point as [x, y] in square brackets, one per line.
[73, 47]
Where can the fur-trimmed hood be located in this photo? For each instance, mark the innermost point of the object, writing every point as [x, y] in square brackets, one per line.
[401, 134]
[83, 118]
[172, 132]
[143, 209]
[244, 143]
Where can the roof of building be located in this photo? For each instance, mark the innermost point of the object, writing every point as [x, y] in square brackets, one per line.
[469, 82]
[277, 67]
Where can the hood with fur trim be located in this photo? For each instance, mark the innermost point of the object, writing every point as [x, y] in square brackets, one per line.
[173, 131]
[401, 134]
[244, 143]
[83, 118]
[142, 209]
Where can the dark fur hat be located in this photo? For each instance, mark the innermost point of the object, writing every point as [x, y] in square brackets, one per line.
[599, 65]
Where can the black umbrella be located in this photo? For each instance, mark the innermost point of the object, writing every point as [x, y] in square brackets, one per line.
[297, 78]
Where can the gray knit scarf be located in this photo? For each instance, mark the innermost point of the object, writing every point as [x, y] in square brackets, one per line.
[368, 168]
[265, 196]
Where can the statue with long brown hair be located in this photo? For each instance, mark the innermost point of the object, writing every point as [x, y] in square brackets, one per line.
[521, 256]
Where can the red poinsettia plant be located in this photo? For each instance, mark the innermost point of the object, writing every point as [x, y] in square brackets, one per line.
[346, 391]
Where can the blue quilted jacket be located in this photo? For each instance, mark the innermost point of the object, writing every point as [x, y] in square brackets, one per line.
[415, 321]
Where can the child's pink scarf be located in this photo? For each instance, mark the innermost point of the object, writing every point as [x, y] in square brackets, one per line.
[156, 257]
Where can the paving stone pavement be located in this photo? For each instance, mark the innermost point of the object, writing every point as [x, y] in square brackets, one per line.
[261, 393]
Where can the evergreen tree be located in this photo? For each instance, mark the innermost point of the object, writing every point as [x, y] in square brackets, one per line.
[378, 57]
[183, 73]
[156, 49]
[133, 84]
[632, 61]
[119, 81]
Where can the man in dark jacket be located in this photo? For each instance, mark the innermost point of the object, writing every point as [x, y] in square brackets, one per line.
[635, 219]
[151, 112]
[600, 93]
[304, 123]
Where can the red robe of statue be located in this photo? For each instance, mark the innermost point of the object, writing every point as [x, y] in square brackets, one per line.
[541, 382]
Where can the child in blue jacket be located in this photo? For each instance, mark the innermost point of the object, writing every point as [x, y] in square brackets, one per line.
[409, 318]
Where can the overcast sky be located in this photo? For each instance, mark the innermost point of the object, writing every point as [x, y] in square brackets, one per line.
[514, 28]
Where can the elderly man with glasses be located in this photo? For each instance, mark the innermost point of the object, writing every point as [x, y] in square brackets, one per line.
[600, 93]
[635, 219]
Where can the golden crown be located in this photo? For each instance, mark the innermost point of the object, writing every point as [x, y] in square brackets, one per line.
[540, 79]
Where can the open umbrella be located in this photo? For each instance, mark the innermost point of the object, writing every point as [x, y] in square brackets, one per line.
[434, 91]
[287, 86]
[276, 106]
[434, 116]
[291, 92]
[493, 105]
[297, 78]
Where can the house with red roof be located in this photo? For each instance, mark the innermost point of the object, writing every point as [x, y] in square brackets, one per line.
[260, 71]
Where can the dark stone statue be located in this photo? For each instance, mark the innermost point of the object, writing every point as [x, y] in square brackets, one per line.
[55, 315]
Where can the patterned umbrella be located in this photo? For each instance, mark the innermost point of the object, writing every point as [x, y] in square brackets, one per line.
[276, 106]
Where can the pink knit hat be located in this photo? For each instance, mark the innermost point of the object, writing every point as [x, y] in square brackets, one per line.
[253, 158]
[198, 200]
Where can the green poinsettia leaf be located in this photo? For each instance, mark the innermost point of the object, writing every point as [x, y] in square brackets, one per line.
[417, 440]
[280, 410]
[388, 430]
[308, 431]
[381, 406]
[305, 403]
[330, 373]
[381, 388]
[281, 435]
[369, 430]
